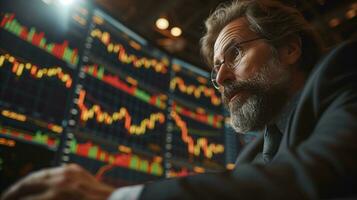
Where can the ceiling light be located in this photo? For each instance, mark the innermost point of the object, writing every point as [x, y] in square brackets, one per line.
[176, 31]
[162, 23]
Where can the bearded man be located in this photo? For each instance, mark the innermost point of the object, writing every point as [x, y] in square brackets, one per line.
[263, 55]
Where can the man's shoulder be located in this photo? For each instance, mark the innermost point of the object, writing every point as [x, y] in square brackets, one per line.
[335, 70]
[341, 56]
[332, 83]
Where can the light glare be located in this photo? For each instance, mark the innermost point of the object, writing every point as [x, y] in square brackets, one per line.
[66, 2]
[162, 23]
[176, 31]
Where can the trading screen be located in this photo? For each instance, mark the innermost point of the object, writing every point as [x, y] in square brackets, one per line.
[118, 122]
[39, 56]
[196, 124]
[78, 86]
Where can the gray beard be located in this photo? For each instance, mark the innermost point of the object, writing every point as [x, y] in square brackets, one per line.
[266, 98]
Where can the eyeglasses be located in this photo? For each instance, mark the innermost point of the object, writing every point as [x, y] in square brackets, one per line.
[231, 58]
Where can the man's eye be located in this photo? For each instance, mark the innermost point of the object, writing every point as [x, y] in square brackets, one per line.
[233, 54]
[237, 52]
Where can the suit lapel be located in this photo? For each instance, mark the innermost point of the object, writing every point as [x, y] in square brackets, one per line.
[249, 153]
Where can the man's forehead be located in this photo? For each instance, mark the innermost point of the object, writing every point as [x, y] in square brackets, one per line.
[235, 30]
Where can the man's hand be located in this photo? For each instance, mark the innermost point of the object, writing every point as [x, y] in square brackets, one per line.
[67, 182]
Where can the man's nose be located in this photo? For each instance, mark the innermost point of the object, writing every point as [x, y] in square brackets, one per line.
[225, 74]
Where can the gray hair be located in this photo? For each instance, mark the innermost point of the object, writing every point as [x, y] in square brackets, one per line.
[270, 19]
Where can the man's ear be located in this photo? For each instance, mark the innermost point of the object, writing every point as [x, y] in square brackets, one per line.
[290, 52]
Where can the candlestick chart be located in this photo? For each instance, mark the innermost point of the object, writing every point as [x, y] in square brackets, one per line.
[79, 83]
[20, 68]
[114, 115]
[200, 115]
[198, 146]
[196, 91]
[96, 113]
[115, 158]
[108, 42]
[38, 58]
[54, 32]
[40, 49]
[38, 39]
[194, 87]
[44, 139]
[119, 169]
[126, 84]
[197, 124]
[35, 89]
[112, 107]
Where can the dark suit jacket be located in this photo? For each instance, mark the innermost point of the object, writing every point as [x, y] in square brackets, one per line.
[317, 157]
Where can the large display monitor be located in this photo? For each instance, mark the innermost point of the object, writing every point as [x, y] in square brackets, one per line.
[40, 48]
[78, 86]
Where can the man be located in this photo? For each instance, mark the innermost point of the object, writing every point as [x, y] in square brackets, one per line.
[262, 54]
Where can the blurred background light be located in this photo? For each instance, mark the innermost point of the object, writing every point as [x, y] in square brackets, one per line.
[162, 23]
[176, 31]
[66, 2]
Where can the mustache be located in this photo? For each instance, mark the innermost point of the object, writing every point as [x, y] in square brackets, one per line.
[233, 87]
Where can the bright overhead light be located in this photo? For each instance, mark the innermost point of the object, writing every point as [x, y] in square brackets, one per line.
[162, 23]
[176, 31]
[66, 2]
